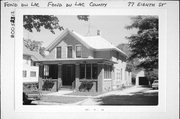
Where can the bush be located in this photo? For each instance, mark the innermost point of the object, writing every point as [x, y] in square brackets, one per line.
[48, 84]
[85, 86]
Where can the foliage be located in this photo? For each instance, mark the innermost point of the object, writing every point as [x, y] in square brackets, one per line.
[152, 74]
[85, 86]
[83, 17]
[144, 44]
[48, 85]
[131, 63]
[49, 22]
[33, 45]
[125, 48]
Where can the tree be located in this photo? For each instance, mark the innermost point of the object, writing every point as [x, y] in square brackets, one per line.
[49, 22]
[35, 46]
[144, 44]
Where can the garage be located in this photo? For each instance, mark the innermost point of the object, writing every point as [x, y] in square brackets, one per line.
[143, 81]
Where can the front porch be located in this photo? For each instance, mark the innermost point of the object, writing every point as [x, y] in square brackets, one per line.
[75, 74]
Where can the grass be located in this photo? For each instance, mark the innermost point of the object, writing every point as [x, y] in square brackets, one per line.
[137, 99]
[61, 99]
[85, 93]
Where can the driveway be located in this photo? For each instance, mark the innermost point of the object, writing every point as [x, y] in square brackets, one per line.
[130, 96]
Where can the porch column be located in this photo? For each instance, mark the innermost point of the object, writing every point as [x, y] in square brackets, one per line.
[59, 76]
[100, 77]
[112, 77]
[130, 76]
[41, 76]
[77, 72]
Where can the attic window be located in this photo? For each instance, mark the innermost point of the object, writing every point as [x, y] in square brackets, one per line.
[58, 52]
[69, 51]
[78, 51]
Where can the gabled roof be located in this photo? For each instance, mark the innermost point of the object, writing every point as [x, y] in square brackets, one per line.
[92, 42]
[34, 55]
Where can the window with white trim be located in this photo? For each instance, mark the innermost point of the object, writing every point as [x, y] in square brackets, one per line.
[121, 74]
[32, 73]
[69, 51]
[107, 72]
[58, 52]
[24, 73]
[46, 70]
[88, 71]
[78, 51]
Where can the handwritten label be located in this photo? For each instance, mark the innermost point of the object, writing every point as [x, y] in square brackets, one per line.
[80, 4]
[34, 4]
[10, 4]
[12, 21]
[146, 4]
[55, 4]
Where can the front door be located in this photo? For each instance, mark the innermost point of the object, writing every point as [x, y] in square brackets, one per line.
[68, 74]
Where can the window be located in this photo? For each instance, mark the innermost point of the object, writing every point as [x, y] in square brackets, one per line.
[69, 51]
[58, 52]
[94, 71]
[24, 73]
[46, 70]
[32, 74]
[117, 76]
[107, 71]
[78, 51]
[88, 71]
[82, 71]
[121, 74]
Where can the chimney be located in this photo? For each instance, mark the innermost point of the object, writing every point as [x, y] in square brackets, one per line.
[98, 32]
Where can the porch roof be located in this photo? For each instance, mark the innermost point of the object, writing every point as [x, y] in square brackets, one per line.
[75, 61]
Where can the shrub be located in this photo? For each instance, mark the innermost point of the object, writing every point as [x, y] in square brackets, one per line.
[48, 84]
[85, 86]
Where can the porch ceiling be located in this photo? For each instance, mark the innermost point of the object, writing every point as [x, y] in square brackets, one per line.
[75, 61]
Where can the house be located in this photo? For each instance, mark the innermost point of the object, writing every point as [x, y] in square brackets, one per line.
[30, 70]
[84, 63]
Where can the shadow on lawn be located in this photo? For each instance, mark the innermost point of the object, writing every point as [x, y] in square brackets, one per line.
[139, 98]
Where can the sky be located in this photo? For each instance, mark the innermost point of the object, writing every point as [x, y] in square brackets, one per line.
[112, 28]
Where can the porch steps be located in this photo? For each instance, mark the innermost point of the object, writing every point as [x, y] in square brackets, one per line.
[66, 88]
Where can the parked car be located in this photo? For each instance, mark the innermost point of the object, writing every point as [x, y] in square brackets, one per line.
[30, 96]
[155, 84]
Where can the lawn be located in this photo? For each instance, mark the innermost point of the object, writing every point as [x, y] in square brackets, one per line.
[85, 93]
[61, 99]
[137, 99]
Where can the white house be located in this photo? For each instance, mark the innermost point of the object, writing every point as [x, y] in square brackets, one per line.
[74, 60]
[30, 70]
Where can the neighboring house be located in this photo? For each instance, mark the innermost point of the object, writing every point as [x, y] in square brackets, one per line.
[73, 61]
[30, 70]
[141, 79]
